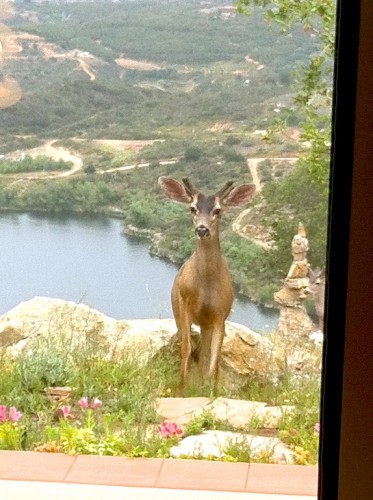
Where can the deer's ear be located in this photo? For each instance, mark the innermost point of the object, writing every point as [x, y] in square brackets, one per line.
[239, 195]
[174, 190]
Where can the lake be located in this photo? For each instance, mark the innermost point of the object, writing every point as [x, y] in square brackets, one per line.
[89, 259]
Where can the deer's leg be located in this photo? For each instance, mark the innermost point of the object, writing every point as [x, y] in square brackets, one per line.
[204, 353]
[183, 325]
[216, 343]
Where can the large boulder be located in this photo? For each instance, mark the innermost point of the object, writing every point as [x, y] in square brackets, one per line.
[66, 323]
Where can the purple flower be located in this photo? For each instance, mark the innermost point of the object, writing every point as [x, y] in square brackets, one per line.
[83, 403]
[170, 429]
[2, 413]
[317, 428]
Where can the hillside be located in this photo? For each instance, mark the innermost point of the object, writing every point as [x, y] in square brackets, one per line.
[140, 70]
[173, 87]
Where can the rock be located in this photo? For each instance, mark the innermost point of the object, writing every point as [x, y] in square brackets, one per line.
[233, 412]
[61, 322]
[295, 322]
[269, 417]
[44, 321]
[181, 410]
[64, 321]
[238, 413]
[243, 353]
[217, 444]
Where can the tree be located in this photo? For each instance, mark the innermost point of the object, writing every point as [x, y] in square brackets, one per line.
[304, 194]
[313, 81]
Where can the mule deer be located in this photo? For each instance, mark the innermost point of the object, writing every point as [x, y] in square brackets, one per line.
[202, 293]
[317, 288]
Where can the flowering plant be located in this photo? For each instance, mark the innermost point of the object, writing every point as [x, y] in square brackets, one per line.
[10, 432]
[84, 403]
[13, 415]
[169, 429]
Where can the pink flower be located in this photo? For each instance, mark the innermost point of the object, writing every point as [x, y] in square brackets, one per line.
[84, 402]
[14, 414]
[65, 411]
[169, 429]
[2, 413]
[96, 403]
[317, 428]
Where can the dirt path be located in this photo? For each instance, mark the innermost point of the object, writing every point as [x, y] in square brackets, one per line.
[60, 153]
[87, 69]
[237, 225]
[172, 161]
[253, 163]
[56, 153]
[51, 50]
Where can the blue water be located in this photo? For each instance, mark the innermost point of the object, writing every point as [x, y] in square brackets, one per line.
[89, 260]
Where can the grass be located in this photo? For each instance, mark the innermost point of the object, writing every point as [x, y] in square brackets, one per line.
[125, 422]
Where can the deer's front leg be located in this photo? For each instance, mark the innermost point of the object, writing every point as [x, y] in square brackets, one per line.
[183, 324]
[216, 344]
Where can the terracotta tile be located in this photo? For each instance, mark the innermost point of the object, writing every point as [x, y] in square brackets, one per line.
[282, 479]
[202, 475]
[115, 471]
[33, 466]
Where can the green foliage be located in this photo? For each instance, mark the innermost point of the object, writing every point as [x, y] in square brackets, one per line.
[198, 55]
[303, 195]
[11, 436]
[184, 103]
[297, 198]
[204, 421]
[126, 424]
[265, 171]
[192, 153]
[28, 164]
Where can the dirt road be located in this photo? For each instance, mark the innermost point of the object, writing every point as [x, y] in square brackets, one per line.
[247, 231]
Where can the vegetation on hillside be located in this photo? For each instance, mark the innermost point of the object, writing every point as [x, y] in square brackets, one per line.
[216, 79]
[303, 195]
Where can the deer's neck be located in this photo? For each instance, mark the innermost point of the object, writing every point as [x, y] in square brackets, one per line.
[208, 255]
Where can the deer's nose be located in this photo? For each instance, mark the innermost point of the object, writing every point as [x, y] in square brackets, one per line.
[202, 232]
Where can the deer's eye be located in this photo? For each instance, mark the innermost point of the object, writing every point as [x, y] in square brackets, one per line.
[216, 211]
[193, 210]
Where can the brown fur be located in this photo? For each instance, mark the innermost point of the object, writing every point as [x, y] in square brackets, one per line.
[202, 293]
[317, 288]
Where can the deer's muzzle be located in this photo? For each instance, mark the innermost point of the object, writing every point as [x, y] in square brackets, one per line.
[202, 232]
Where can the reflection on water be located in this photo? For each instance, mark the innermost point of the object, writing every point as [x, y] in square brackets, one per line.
[87, 259]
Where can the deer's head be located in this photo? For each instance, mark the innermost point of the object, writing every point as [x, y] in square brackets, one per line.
[206, 210]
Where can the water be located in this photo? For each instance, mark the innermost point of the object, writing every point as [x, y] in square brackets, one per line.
[89, 260]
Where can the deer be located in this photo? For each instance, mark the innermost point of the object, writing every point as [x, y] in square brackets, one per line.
[317, 289]
[202, 292]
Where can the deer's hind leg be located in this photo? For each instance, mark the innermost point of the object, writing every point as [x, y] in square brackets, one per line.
[204, 352]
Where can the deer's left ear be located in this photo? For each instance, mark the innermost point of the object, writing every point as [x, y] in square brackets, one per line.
[174, 190]
[239, 195]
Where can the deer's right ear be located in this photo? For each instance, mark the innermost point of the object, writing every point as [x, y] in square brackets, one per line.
[174, 190]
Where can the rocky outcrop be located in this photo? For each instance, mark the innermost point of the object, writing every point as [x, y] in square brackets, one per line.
[64, 323]
[42, 322]
[294, 320]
